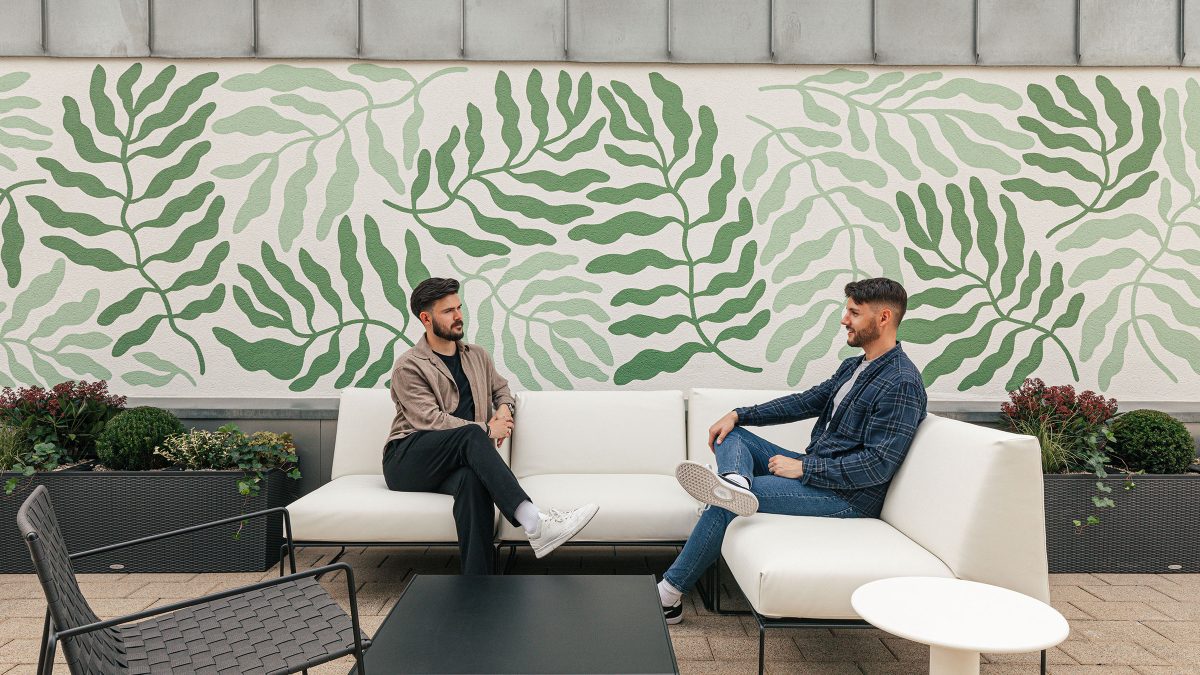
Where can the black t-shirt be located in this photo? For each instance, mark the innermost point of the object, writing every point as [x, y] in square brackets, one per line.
[466, 402]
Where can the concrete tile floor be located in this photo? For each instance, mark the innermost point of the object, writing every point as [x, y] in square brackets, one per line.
[1136, 624]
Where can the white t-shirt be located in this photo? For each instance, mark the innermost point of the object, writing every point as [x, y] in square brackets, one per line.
[845, 388]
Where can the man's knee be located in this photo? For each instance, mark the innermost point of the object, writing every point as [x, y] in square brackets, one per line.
[734, 440]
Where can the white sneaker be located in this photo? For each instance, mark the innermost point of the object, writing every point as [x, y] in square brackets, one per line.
[705, 485]
[558, 527]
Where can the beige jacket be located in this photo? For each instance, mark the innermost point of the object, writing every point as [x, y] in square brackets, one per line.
[425, 394]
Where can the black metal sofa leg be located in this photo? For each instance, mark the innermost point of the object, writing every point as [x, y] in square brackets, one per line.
[1043, 662]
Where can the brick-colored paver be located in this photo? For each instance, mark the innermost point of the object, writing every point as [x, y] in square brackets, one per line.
[1121, 624]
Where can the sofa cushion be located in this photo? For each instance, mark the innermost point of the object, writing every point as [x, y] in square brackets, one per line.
[639, 432]
[362, 509]
[706, 406]
[807, 567]
[973, 496]
[633, 507]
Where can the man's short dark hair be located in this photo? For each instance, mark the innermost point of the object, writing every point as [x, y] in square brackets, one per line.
[881, 290]
[430, 291]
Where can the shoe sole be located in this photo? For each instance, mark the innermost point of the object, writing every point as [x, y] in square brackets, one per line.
[564, 537]
[674, 620]
[706, 486]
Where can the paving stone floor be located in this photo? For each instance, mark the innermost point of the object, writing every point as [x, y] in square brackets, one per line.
[1120, 624]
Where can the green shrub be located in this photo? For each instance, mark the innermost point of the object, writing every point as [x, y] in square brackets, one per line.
[199, 450]
[128, 440]
[1153, 441]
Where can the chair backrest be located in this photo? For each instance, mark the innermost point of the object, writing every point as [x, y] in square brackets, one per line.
[973, 497]
[598, 432]
[364, 422]
[95, 652]
[706, 406]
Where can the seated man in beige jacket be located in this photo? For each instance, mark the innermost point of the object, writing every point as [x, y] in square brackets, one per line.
[445, 434]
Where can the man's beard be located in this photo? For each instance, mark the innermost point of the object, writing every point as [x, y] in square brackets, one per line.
[861, 337]
[453, 333]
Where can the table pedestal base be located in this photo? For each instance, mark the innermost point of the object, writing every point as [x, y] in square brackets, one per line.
[945, 661]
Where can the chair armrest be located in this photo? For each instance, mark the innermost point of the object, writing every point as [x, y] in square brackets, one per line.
[287, 530]
[167, 609]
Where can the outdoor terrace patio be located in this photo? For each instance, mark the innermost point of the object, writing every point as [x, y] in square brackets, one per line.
[1120, 624]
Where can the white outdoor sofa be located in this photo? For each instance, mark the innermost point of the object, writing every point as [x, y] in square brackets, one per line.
[966, 503]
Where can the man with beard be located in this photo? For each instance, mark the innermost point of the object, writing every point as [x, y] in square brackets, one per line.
[867, 414]
[445, 434]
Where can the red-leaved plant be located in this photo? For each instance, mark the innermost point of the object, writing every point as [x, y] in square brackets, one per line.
[69, 415]
[1073, 430]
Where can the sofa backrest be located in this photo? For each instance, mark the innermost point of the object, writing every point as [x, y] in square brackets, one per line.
[706, 406]
[364, 421]
[973, 497]
[598, 432]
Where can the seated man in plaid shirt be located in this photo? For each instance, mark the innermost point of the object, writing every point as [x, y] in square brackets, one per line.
[867, 414]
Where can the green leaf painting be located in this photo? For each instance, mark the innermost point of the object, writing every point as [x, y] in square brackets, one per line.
[324, 322]
[1099, 156]
[313, 117]
[990, 290]
[147, 222]
[18, 132]
[798, 206]
[42, 333]
[680, 191]
[1157, 309]
[875, 111]
[554, 313]
[514, 196]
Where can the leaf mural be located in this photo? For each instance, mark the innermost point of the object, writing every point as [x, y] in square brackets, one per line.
[559, 327]
[43, 350]
[114, 159]
[858, 218]
[993, 303]
[497, 195]
[1163, 296]
[17, 132]
[1089, 159]
[331, 327]
[303, 124]
[877, 112]
[712, 292]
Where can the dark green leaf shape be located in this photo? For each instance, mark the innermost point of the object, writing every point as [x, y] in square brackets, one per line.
[180, 206]
[975, 226]
[85, 143]
[203, 230]
[138, 336]
[574, 181]
[102, 259]
[177, 105]
[287, 280]
[282, 360]
[1110, 187]
[626, 223]
[651, 363]
[510, 115]
[124, 306]
[352, 271]
[644, 143]
[85, 182]
[532, 207]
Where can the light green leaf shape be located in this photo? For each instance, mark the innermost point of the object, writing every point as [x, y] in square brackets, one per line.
[39, 293]
[1093, 231]
[256, 121]
[1099, 267]
[339, 192]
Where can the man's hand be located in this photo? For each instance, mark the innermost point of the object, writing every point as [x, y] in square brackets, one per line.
[721, 429]
[499, 428]
[503, 412]
[785, 467]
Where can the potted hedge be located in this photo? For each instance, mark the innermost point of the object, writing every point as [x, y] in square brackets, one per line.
[116, 475]
[1118, 494]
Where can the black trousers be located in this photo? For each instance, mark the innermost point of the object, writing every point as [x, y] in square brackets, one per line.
[462, 462]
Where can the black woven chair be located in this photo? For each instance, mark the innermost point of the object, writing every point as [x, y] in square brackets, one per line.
[282, 625]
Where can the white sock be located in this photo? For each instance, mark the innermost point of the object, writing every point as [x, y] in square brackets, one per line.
[737, 479]
[668, 594]
[527, 516]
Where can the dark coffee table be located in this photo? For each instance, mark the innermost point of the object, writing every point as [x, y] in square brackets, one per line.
[524, 624]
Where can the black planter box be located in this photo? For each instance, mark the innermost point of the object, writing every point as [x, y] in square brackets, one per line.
[97, 508]
[1154, 528]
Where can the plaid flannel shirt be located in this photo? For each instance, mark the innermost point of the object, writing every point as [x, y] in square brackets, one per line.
[856, 449]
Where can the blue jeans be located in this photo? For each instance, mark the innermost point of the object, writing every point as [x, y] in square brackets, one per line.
[747, 454]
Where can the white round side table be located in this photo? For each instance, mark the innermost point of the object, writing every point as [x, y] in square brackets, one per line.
[959, 619]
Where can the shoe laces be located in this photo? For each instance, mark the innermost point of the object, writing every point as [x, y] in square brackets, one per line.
[558, 515]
